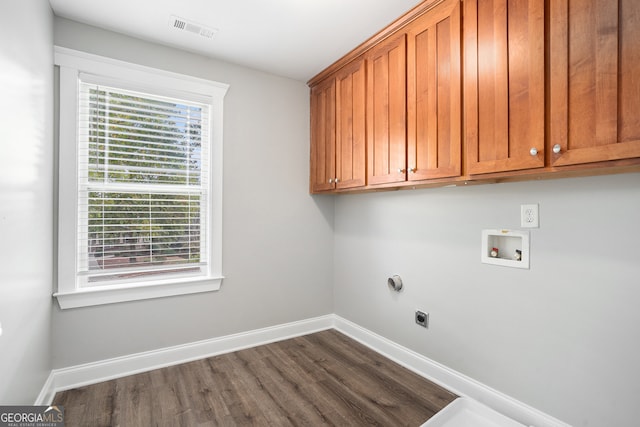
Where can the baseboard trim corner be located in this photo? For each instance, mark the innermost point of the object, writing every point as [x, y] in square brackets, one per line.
[104, 370]
[48, 391]
[92, 373]
[452, 380]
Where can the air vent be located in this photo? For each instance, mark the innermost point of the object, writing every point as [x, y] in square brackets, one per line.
[184, 25]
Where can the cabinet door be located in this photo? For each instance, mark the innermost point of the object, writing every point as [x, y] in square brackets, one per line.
[434, 121]
[504, 84]
[351, 85]
[386, 112]
[323, 136]
[594, 80]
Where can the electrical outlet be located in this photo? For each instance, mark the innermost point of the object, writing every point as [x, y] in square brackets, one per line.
[422, 318]
[529, 217]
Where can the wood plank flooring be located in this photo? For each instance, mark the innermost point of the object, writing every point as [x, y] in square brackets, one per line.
[324, 378]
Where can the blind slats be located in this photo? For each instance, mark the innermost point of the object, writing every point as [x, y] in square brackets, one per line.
[157, 171]
[102, 143]
[97, 94]
[143, 174]
[144, 269]
[166, 132]
[97, 111]
[102, 99]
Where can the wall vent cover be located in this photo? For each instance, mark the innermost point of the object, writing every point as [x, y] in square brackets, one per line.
[185, 25]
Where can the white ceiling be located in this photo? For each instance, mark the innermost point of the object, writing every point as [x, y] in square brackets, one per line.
[290, 38]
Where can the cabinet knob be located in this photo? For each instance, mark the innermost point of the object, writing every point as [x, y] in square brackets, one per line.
[533, 151]
[336, 180]
[401, 170]
[330, 180]
[413, 170]
[557, 148]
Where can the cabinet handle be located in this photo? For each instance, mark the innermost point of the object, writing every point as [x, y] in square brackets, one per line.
[330, 180]
[557, 148]
[401, 170]
[336, 180]
[534, 151]
[413, 170]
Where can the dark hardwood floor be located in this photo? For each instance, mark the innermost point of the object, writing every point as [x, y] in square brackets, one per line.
[324, 378]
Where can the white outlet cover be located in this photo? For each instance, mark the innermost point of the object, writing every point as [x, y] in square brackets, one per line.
[529, 216]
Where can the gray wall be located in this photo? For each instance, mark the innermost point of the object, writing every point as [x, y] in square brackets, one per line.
[278, 240]
[563, 337]
[26, 201]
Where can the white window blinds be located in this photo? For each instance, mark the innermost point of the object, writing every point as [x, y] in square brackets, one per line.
[143, 175]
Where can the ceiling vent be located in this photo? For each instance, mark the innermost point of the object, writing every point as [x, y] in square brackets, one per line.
[184, 25]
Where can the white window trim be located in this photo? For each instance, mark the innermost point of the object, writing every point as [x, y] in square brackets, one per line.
[71, 63]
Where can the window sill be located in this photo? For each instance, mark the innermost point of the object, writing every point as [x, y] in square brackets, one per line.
[109, 295]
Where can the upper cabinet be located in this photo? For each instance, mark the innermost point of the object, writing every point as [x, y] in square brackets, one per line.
[386, 112]
[594, 81]
[434, 83]
[473, 90]
[414, 114]
[338, 133]
[323, 136]
[351, 90]
[504, 85]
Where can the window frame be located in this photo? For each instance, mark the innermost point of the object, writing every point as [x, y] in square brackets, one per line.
[71, 65]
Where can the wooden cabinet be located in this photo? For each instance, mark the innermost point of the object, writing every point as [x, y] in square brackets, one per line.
[351, 85]
[386, 112]
[434, 81]
[338, 132]
[414, 110]
[594, 109]
[323, 136]
[465, 91]
[504, 85]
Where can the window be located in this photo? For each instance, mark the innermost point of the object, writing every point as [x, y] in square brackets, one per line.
[139, 182]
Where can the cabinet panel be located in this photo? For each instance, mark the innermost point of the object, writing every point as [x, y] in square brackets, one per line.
[434, 93]
[504, 84]
[323, 136]
[595, 89]
[386, 112]
[351, 126]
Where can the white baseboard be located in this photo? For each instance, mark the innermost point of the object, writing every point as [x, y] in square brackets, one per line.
[104, 370]
[48, 391]
[91, 373]
[448, 378]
